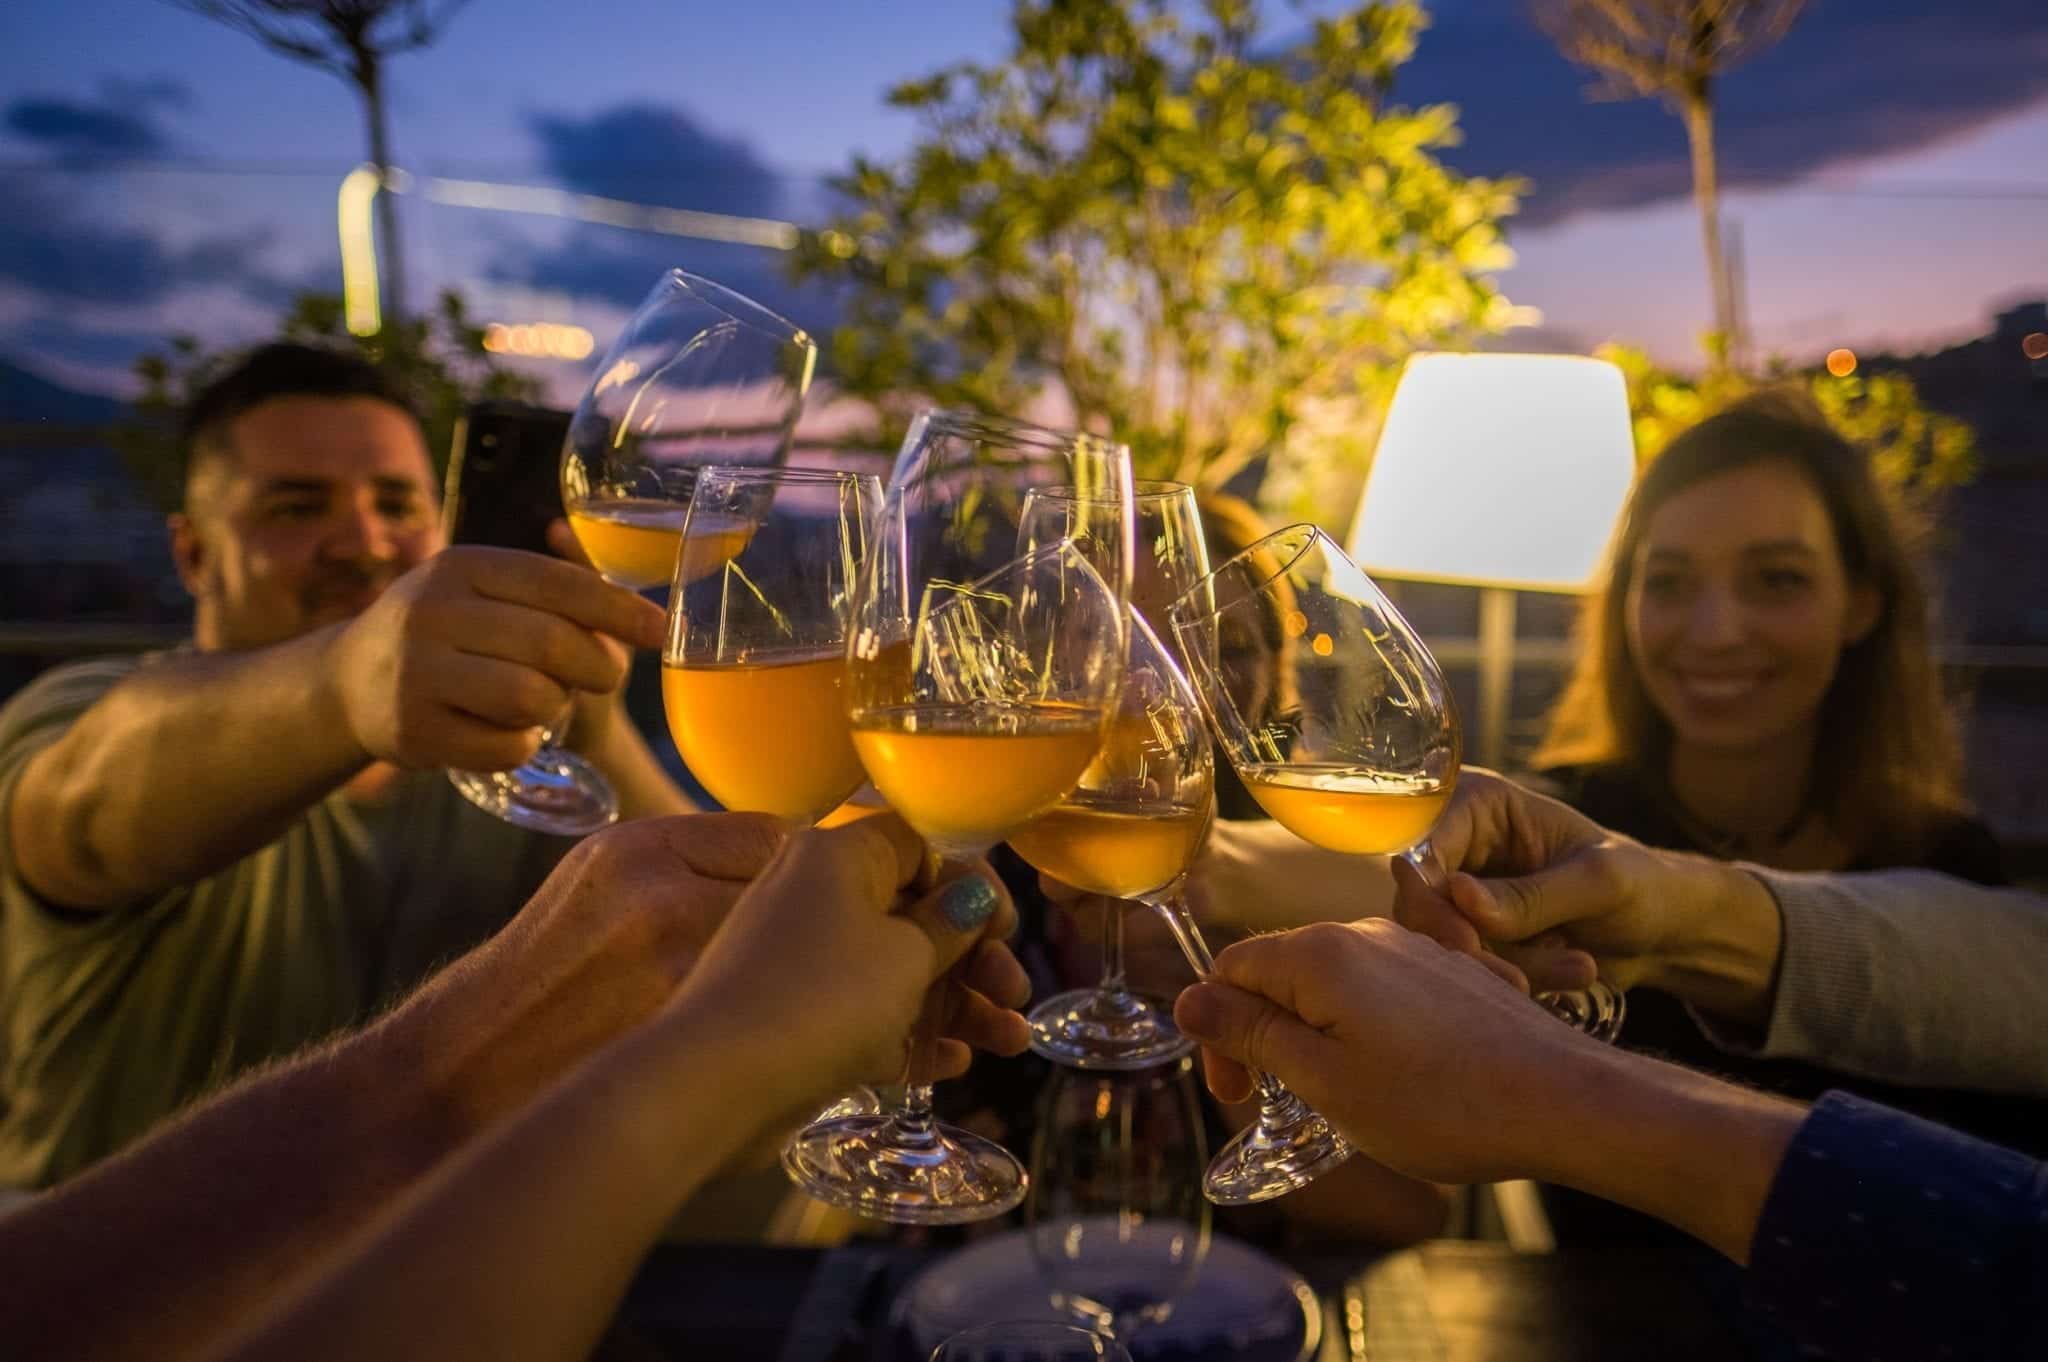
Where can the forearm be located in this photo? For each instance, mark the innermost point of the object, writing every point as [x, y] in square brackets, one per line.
[1691, 1150]
[156, 1251]
[1257, 876]
[520, 1248]
[139, 794]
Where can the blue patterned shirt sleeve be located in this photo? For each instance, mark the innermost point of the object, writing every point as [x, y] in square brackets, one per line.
[1888, 1237]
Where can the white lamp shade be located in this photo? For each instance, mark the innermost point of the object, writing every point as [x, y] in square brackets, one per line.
[1498, 470]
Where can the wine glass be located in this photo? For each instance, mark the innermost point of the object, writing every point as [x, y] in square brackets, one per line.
[1118, 1223]
[1029, 1341]
[701, 375]
[753, 676]
[1109, 1026]
[1130, 829]
[977, 698]
[1333, 711]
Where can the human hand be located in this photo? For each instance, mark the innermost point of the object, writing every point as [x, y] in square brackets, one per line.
[464, 658]
[1425, 1059]
[1528, 869]
[593, 715]
[822, 971]
[604, 943]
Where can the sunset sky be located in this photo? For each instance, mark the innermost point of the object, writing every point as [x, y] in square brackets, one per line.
[1890, 162]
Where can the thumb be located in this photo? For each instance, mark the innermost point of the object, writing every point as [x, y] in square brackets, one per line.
[1518, 907]
[1253, 1031]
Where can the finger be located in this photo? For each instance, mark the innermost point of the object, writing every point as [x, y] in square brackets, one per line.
[575, 593]
[1517, 908]
[500, 693]
[1553, 968]
[575, 657]
[463, 742]
[1421, 908]
[978, 1022]
[1252, 1030]
[562, 539]
[1228, 1080]
[950, 1059]
[992, 971]
[1507, 971]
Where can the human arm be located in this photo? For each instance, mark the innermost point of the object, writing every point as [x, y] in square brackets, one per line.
[1904, 976]
[521, 1249]
[154, 1250]
[454, 665]
[1870, 1233]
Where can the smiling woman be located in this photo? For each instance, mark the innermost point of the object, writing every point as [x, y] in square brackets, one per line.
[1757, 680]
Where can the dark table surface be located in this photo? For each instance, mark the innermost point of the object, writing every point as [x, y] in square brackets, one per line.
[1447, 1301]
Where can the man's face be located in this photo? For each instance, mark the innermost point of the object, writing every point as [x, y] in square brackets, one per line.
[309, 508]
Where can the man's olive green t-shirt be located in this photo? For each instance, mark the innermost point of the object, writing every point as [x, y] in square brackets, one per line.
[110, 1022]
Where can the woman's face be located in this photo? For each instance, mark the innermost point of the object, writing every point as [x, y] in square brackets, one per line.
[1739, 608]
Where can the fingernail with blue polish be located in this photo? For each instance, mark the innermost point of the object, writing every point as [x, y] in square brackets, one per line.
[968, 902]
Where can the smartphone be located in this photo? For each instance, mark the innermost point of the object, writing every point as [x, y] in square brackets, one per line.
[504, 475]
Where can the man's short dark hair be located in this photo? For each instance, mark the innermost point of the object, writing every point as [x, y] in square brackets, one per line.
[282, 369]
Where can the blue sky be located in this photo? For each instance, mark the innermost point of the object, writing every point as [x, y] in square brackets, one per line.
[1889, 162]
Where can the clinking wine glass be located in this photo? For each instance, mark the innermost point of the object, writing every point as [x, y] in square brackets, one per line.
[1333, 711]
[753, 675]
[700, 376]
[1130, 829]
[977, 698]
[1119, 1227]
[1136, 801]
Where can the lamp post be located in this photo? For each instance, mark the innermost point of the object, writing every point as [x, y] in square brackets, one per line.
[1499, 471]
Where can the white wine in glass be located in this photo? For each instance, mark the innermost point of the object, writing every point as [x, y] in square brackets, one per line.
[753, 676]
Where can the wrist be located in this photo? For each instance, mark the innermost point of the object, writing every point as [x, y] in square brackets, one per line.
[1724, 956]
[325, 649]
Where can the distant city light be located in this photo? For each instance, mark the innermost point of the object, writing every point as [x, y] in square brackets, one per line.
[1841, 363]
[2035, 345]
[538, 340]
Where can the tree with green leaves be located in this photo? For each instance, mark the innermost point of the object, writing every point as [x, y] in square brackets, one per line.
[351, 39]
[1193, 236]
[1676, 50]
[439, 357]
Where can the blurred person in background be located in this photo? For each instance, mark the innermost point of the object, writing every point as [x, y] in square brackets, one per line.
[218, 854]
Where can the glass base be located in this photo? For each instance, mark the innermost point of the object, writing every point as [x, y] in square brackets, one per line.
[1598, 1010]
[873, 1167]
[1272, 1157]
[1092, 1028]
[556, 791]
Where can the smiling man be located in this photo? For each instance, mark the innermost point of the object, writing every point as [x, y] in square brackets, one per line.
[218, 854]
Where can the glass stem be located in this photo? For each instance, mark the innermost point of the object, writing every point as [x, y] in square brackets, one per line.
[915, 1126]
[1173, 906]
[1112, 949]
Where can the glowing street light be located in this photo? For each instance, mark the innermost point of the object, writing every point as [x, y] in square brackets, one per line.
[1841, 362]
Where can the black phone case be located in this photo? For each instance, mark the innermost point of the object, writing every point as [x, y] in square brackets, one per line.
[504, 479]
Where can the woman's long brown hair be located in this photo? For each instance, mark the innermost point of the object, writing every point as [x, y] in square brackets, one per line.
[1887, 765]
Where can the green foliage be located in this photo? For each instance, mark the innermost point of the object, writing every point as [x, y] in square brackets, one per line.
[1915, 450]
[1190, 236]
[440, 358]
